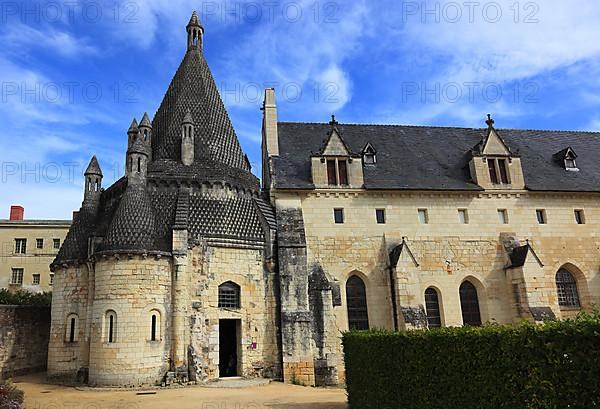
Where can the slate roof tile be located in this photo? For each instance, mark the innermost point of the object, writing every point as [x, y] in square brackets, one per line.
[436, 158]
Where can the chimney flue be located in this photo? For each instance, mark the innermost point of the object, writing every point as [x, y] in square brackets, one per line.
[17, 212]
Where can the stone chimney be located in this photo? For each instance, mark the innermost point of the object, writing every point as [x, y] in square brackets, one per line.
[17, 213]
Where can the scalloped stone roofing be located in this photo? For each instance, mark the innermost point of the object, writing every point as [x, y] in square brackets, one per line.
[134, 224]
[137, 219]
[193, 90]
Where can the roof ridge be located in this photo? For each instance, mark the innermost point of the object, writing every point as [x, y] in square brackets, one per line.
[443, 127]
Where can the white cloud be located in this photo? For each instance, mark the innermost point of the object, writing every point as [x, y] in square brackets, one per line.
[20, 38]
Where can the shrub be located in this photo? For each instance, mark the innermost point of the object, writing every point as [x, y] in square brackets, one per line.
[22, 297]
[10, 396]
[554, 365]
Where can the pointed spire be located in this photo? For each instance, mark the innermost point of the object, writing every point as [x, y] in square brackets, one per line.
[146, 121]
[194, 20]
[93, 168]
[188, 119]
[490, 121]
[133, 127]
[195, 31]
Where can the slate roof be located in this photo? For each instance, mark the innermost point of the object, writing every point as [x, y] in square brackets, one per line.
[193, 89]
[436, 158]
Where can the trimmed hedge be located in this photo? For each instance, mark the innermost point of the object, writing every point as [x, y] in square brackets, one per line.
[554, 365]
[25, 298]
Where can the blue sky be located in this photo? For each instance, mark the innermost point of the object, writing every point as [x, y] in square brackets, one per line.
[74, 74]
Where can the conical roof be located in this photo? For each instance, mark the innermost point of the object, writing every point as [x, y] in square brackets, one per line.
[133, 127]
[193, 89]
[145, 120]
[194, 20]
[133, 227]
[93, 168]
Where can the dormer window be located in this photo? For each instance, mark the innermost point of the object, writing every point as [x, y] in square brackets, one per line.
[567, 158]
[337, 172]
[369, 155]
[498, 171]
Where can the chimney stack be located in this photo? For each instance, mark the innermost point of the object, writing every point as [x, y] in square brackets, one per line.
[17, 213]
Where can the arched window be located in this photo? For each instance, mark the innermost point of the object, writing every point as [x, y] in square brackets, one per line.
[229, 295]
[469, 304]
[155, 326]
[111, 327]
[566, 287]
[71, 332]
[356, 303]
[432, 307]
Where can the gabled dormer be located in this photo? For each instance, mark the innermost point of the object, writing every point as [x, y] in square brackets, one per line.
[335, 165]
[567, 158]
[369, 155]
[493, 165]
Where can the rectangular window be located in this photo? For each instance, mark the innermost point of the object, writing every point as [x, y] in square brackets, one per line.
[492, 169]
[579, 216]
[331, 173]
[380, 216]
[338, 216]
[541, 216]
[503, 171]
[51, 279]
[463, 216]
[17, 276]
[423, 216]
[39, 244]
[56, 243]
[503, 216]
[36, 279]
[20, 246]
[343, 170]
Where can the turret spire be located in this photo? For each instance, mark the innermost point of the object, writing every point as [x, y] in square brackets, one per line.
[93, 183]
[132, 132]
[195, 32]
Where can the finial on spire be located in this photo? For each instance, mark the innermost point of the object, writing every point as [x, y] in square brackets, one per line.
[490, 121]
[195, 31]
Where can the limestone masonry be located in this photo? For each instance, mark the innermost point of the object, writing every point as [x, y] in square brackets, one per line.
[185, 269]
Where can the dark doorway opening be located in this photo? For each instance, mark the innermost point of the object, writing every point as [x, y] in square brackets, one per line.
[228, 348]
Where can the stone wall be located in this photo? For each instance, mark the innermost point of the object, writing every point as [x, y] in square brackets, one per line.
[447, 252]
[24, 333]
[258, 349]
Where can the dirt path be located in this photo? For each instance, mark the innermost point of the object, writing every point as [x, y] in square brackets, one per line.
[39, 395]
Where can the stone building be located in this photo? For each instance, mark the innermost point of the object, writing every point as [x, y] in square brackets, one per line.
[186, 269]
[170, 269]
[28, 248]
[404, 227]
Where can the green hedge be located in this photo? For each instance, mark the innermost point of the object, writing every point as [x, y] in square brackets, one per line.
[555, 365]
[25, 298]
